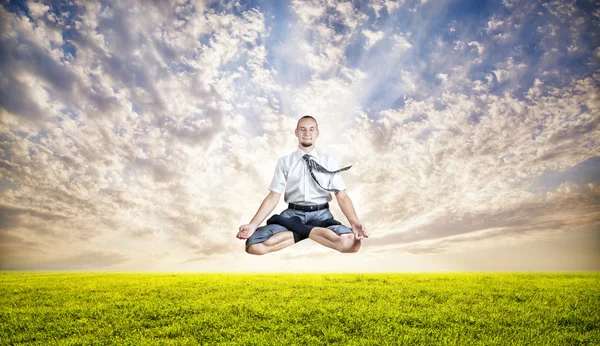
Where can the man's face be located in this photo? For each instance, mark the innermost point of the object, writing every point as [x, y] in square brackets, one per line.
[307, 132]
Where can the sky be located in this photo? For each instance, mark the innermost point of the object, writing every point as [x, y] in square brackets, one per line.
[139, 135]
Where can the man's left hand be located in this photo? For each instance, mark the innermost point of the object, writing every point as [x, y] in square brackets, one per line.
[360, 231]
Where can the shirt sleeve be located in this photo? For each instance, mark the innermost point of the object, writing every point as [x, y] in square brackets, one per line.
[336, 181]
[279, 179]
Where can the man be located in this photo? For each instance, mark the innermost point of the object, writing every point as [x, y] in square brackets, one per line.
[308, 192]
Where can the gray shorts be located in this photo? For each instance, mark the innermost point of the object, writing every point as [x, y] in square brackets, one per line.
[265, 232]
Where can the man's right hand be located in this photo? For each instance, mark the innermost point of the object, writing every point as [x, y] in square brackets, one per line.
[246, 231]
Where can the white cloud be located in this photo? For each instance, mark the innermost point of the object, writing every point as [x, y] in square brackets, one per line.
[510, 70]
[564, 10]
[478, 46]
[509, 3]
[401, 42]
[494, 24]
[390, 6]
[549, 29]
[500, 29]
[324, 52]
[37, 9]
[372, 37]
[309, 11]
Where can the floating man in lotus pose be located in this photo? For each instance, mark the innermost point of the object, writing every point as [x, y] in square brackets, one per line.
[307, 176]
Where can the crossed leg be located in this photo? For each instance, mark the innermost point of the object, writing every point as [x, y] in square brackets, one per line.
[275, 242]
[345, 243]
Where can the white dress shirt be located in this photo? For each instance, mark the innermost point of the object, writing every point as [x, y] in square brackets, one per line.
[293, 177]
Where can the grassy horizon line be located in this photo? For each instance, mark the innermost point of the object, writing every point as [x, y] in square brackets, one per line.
[474, 272]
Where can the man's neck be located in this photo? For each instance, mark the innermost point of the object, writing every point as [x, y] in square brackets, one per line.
[306, 149]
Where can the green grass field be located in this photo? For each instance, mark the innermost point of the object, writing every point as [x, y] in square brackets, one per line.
[248, 309]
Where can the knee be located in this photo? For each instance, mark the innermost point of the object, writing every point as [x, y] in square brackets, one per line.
[351, 246]
[256, 249]
[353, 249]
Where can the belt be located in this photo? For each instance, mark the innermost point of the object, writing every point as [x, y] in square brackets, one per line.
[313, 207]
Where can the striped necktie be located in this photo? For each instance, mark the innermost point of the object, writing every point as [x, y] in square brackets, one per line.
[313, 165]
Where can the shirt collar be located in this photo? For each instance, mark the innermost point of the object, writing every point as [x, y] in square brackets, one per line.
[314, 153]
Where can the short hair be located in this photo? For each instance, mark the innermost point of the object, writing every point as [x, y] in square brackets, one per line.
[307, 117]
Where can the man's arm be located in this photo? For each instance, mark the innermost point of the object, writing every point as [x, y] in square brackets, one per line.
[347, 207]
[266, 207]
